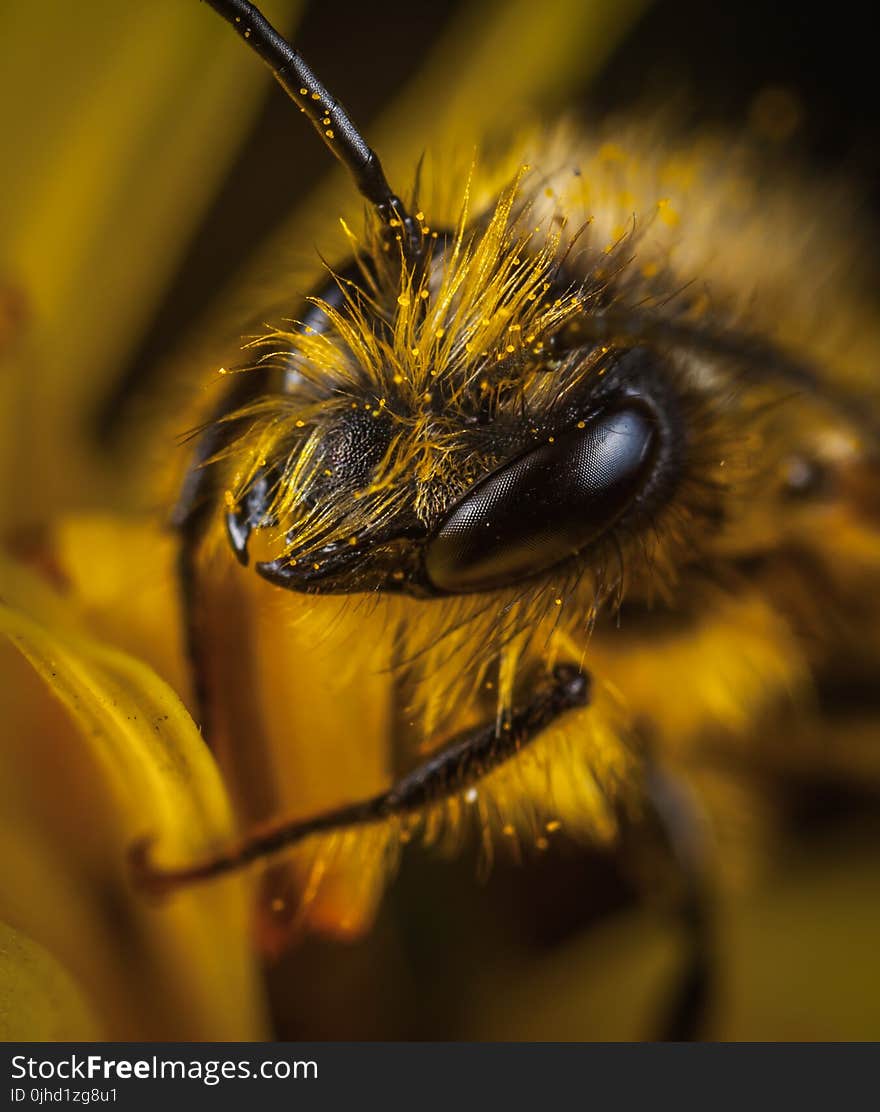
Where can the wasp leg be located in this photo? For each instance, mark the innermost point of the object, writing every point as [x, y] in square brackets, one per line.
[674, 814]
[465, 760]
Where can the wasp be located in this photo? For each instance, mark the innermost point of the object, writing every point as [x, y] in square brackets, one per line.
[541, 508]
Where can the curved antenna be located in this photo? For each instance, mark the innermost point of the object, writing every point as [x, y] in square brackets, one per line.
[329, 118]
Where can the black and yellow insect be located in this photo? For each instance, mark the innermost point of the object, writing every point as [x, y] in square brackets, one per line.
[572, 469]
[547, 518]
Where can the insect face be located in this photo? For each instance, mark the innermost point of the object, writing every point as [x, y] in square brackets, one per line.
[373, 494]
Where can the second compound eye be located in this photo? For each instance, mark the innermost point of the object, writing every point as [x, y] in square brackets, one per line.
[546, 506]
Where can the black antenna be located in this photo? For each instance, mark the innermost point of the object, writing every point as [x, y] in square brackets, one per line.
[329, 118]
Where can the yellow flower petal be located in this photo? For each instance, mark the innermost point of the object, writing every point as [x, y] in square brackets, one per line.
[121, 575]
[136, 125]
[39, 1001]
[72, 802]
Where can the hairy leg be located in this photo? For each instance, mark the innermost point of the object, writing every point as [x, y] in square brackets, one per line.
[466, 759]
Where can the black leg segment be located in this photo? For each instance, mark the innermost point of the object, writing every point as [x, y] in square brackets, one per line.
[467, 758]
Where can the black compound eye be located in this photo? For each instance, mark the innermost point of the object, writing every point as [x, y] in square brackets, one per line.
[545, 507]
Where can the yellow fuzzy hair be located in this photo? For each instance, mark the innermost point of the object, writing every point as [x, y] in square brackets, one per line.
[680, 236]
